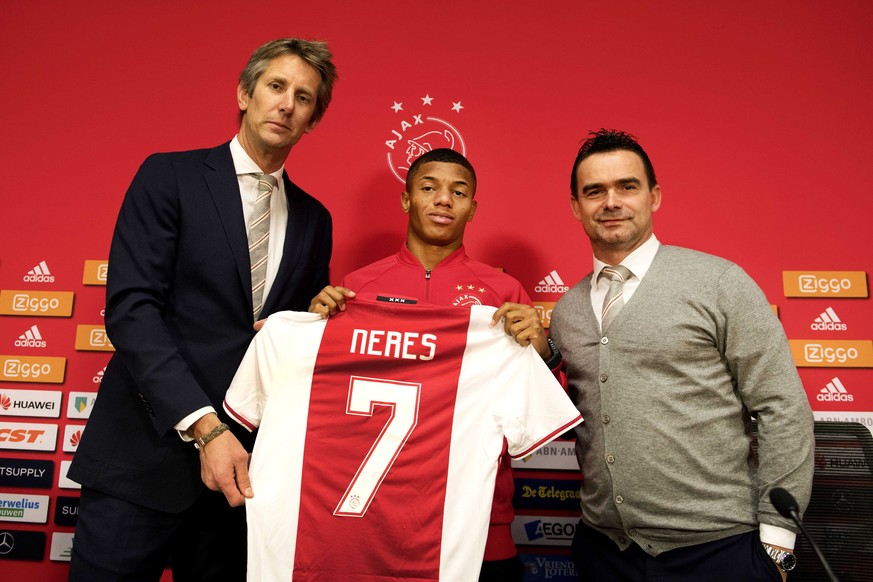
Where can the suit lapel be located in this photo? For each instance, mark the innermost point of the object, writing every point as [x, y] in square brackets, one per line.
[221, 180]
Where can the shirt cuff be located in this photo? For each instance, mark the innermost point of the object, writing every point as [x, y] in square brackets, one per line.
[183, 425]
[777, 536]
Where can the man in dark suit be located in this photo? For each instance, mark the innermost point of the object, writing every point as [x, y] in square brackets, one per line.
[180, 311]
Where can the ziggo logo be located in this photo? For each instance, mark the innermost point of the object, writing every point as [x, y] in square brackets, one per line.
[28, 303]
[813, 284]
[19, 369]
[819, 353]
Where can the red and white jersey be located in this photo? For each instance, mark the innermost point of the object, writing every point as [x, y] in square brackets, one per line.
[380, 431]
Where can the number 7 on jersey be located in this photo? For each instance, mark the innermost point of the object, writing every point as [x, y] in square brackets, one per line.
[364, 395]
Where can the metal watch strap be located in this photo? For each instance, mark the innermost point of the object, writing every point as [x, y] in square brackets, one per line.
[201, 442]
[779, 556]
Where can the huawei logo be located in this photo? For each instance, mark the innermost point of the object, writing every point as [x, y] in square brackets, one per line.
[75, 438]
[5, 402]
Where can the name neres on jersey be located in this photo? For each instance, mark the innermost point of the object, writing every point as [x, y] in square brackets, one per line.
[407, 345]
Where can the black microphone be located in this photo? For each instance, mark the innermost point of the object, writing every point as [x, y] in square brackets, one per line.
[786, 505]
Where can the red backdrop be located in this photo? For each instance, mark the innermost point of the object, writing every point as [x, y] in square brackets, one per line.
[756, 115]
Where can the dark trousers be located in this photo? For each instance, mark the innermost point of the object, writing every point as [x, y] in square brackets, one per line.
[739, 557]
[509, 570]
[117, 541]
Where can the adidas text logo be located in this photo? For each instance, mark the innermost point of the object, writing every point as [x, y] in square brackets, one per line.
[828, 321]
[30, 339]
[834, 392]
[39, 274]
[552, 283]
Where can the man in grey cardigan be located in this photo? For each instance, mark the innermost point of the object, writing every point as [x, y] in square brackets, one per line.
[689, 352]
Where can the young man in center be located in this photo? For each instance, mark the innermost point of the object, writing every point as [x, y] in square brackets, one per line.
[432, 267]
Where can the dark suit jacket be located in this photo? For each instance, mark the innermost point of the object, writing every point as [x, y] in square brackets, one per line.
[179, 313]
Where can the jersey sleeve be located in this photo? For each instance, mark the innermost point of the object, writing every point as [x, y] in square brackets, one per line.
[264, 369]
[530, 405]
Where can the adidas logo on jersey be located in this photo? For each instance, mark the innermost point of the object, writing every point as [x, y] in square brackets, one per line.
[551, 283]
[828, 321]
[30, 339]
[834, 392]
[39, 274]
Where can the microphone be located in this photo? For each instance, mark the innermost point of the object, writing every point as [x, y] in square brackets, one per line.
[787, 506]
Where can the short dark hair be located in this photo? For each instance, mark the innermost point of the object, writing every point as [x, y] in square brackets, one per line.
[611, 140]
[443, 155]
[313, 52]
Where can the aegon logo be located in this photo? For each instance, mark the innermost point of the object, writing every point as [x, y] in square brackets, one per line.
[36, 303]
[832, 353]
[32, 369]
[824, 283]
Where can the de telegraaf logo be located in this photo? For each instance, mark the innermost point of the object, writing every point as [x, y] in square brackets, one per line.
[420, 129]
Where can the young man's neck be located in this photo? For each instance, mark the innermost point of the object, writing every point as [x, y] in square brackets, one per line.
[430, 255]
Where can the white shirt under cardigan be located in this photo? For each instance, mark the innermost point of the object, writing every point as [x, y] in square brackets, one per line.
[638, 262]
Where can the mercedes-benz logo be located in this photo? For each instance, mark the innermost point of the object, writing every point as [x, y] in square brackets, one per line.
[7, 540]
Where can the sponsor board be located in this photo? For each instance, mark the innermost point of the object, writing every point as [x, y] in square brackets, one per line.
[62, 547]
[547, 494]
[66, 510]
[824, 283]
[93, 338]
[65, 482]
[543, 530]
[36, 303]
[24, 508]
[544, 310]
[559, 455]
[26, 473]
[80, 404]
[94, 272]
[20, 436]
[832, 353]
[42, 369]
[16, 544]
[41, 403]
[864, 418]
[72, 436]
[554, 567]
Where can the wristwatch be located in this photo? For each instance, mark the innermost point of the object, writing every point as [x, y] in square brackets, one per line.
[784, 559]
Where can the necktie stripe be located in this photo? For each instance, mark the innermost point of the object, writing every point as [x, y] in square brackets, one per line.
[259, 239]
[614, 300]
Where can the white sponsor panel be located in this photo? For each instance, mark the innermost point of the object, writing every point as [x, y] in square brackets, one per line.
[65, 482]
[559, 455]
[72, 436]
[62, 547]
[80, 404]
[19, 436]
[22, 507]
[42, 403]
[865, 418]
[544, 530]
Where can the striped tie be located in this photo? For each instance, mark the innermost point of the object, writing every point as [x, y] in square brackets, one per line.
[259, 239]
[613, 302]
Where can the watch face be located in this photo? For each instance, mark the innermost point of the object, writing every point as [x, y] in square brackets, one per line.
[788, 562]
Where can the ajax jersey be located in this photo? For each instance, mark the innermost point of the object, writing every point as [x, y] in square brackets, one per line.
[380, 430]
